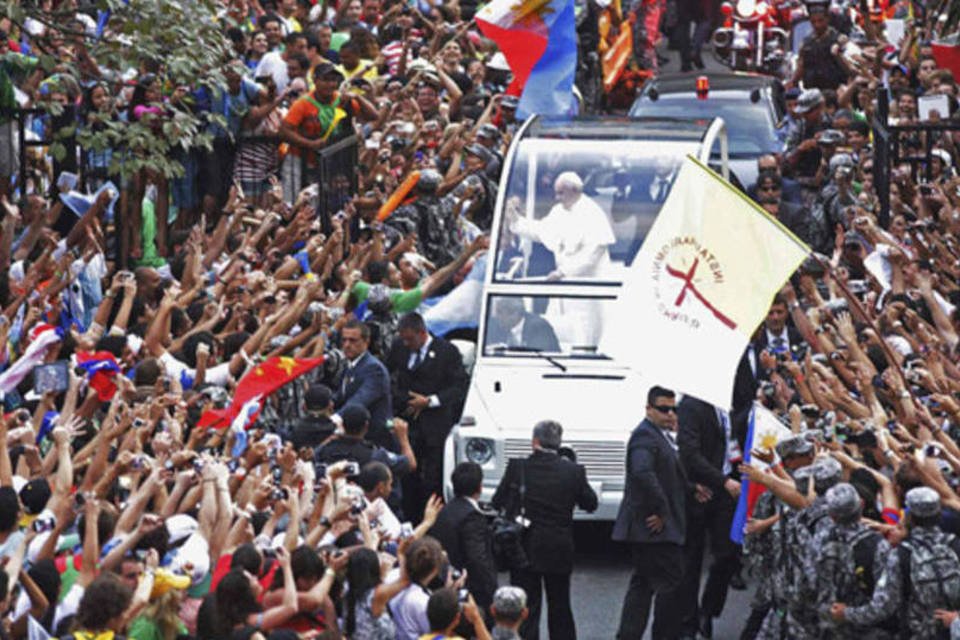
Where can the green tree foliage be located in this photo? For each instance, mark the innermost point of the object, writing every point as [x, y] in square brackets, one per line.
[186, 38]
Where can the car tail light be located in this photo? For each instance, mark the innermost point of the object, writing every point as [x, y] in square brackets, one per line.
[703, 87]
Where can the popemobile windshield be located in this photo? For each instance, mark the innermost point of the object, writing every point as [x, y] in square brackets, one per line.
[575, 203]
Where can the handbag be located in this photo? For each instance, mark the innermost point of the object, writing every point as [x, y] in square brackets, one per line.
[508, 529]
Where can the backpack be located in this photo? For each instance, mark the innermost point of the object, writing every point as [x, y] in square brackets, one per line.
[933, 570]
[850, 561]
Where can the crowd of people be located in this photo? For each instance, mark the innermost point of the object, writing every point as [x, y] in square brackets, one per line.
[139, 498]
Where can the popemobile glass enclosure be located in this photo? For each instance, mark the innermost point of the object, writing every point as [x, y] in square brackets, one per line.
[576, 201]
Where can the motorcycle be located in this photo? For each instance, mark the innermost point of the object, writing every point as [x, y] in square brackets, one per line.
[750, 38]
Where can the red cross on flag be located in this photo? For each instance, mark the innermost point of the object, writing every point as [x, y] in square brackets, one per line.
[702, 282]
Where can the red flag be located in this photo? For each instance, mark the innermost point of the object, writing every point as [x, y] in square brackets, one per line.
[263, 379]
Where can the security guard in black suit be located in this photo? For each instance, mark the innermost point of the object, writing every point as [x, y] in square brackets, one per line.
[554, 486]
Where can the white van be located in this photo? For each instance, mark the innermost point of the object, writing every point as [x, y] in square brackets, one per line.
[552, 279]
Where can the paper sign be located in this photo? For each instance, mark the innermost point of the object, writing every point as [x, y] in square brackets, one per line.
[927, 104]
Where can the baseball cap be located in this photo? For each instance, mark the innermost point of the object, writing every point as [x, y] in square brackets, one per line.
[326, 69]
[843, 501]
[479, 151]
[34, 496]
[923, 502]
[826, 473]
[509, 102]
[488, 130]
[809, 100]
[180, 527]
[793, 446]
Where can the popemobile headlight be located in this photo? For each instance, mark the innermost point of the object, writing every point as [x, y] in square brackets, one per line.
[746, 8]
[478, 450]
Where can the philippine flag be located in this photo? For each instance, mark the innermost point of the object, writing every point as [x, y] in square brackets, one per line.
[765, 431]
[538, 38]
[101, 368]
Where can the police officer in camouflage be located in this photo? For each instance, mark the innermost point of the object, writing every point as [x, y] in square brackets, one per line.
[774, 625]
[921, 576]
[432, 219]
[809, 525]
[759, 546]
[794, 616]
[849, 558]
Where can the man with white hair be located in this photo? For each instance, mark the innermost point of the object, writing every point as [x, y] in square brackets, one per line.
[576, 230]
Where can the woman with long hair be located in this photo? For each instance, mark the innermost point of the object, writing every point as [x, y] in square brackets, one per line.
[160, 619]
[367, 598]
[236, 601]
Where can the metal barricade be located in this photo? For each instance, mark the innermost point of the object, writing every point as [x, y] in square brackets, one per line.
[889, 151]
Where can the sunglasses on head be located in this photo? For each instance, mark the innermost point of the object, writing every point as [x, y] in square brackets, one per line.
[664, 409]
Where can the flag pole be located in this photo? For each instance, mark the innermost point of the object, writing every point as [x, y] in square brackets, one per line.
[859, 310]
[854, 303]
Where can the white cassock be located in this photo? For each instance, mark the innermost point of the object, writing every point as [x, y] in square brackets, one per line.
[580, 239]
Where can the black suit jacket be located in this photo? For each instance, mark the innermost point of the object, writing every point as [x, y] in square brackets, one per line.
[465, 535]
[440, 373]
[703, 443]
[537, 334]
[555, 485]
[368, 385]
[655, 485]
[792, 335]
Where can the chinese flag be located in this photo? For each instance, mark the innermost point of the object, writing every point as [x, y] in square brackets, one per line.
[262, 380]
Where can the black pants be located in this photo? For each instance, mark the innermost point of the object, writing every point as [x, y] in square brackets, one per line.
[754, 622]
[711, 520]
[657, 570]
[559, 614]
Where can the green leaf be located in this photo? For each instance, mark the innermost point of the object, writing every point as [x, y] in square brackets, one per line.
[58, 151]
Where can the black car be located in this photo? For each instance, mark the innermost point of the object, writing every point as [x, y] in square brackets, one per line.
[750, 104]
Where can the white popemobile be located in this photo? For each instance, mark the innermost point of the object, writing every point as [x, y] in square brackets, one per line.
[576, 200]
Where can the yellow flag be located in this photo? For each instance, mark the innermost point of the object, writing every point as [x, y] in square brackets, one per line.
[702, 282]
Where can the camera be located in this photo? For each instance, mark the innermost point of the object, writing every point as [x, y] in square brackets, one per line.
[138, 462]
[463, 595]
[837, 305]
[925, 189]
[197, 465]
[352, 469]
[358, 506]
[406, 530]
[233, 465]
[41, 525]
[138, 423]
[280, 493]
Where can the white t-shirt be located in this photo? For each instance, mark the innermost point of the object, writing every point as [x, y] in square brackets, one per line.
[273, 64]
[409, 610]
[218, 375]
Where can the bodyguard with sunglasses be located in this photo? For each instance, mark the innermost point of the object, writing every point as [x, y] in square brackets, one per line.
[652, 519]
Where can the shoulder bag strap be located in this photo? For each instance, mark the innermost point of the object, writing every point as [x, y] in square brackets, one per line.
[523, 488]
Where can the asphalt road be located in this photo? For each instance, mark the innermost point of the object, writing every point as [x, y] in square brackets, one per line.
[599, 583]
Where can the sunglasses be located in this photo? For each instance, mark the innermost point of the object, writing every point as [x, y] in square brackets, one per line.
[664, 409]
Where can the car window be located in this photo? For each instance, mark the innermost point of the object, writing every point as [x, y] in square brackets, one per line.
[750, 126]
[590, 235]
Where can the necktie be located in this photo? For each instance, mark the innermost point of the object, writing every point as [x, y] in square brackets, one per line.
[416, 360]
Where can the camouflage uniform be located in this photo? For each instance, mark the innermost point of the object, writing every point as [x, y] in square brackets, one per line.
[896, 592]
[849, 558]
[435, 223]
